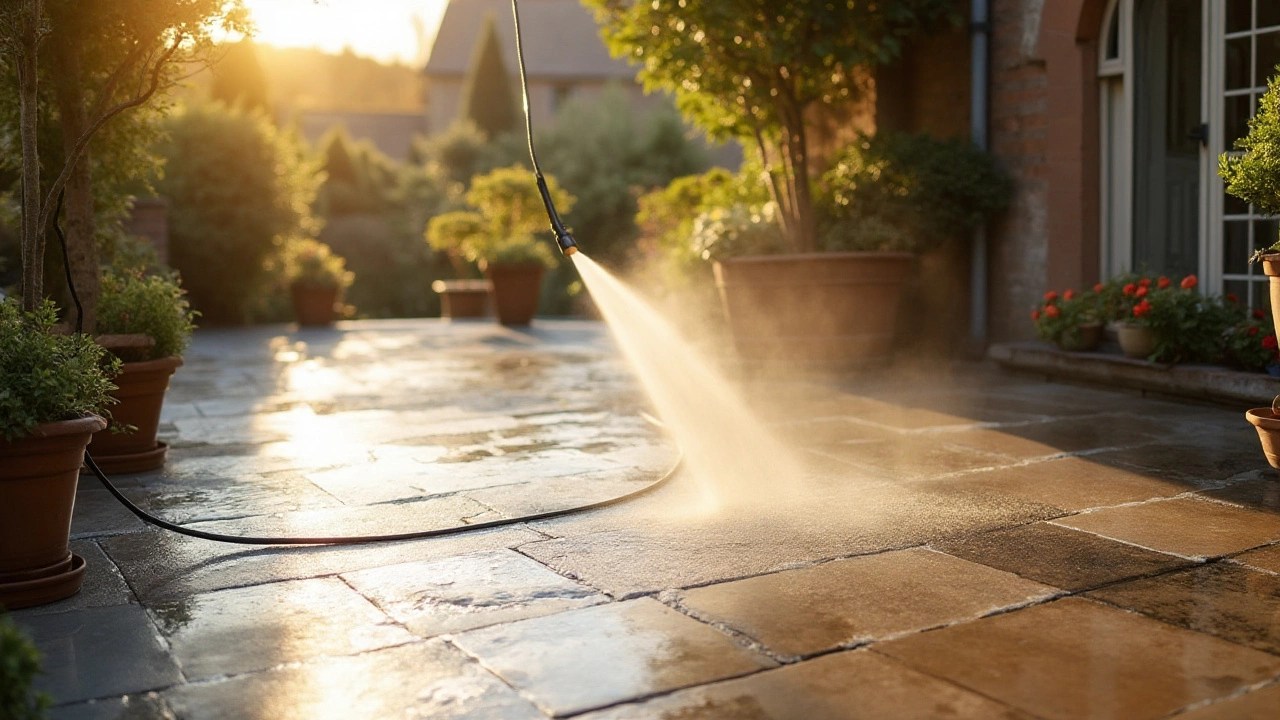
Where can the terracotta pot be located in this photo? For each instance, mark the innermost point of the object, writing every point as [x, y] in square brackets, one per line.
[313, 304]
[1136, 342]
[1088, 336]
[833, 311]
[1268, 426]
[462, 298]
[515, 291]
[38, 475]
[1271, 268]
[140, 390]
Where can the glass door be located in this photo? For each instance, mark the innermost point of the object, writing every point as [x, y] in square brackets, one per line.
[1250, 52]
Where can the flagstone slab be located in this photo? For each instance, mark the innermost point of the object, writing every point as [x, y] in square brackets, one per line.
[99, 652]
[469, 591]
[1075, 658]
[1183, 526]
[1033, 440]
[1223, 599]
[857, 685]
[1071, 483]
[1061, 557]
[103, 584]
[241, 630]
[1256, 705]
[1264, 558]
[421, 680]
[842, 603]
[1261, 492]
[141, 706]
[585, 659]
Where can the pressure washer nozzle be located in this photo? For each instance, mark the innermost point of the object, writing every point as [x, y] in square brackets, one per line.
[567, 244]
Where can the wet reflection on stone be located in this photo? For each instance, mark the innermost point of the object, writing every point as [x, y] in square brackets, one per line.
[1184, 526]
[583, 659]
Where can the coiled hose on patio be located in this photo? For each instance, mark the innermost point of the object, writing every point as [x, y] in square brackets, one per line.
[566, 244]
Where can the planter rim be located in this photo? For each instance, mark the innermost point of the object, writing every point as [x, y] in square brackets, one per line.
[1263, 418]
[514, 266]
[807, 257]
[87, 424]
[1270, 264]
[172, 362]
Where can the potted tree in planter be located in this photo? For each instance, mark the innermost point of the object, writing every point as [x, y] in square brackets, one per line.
[146, 322]
[500, 234]
[54, 387]
[317, 278]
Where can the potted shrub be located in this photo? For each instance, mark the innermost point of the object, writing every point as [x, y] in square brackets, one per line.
[1069, 320]
[499, 234]
[1253, 175]
[54, 389]
[317, 279]
[152, 307]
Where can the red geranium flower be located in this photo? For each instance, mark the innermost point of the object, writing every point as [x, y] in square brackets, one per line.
[1142, 308]
[1067, 295]
[1163, 282]
[1050, 296]
[1141, 291]
[1231, 298]
[1189, 282]
[1051, 311]
[1269, 342]
[1130, 288]
[1259, 314]
[1035, 314]
[1145, 282]
[1253, 330]
[1097, 288]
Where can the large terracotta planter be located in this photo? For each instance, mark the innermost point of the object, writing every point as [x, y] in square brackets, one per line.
[140, 390]
[314, 304]
[515, 291]
[461, 299]
[1271, 268]
[832, 311]
[38, 475]
[1268, 426]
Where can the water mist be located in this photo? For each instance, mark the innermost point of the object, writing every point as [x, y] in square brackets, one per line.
[726, 447]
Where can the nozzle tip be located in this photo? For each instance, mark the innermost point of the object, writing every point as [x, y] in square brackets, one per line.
[566, 243]
[571, 251]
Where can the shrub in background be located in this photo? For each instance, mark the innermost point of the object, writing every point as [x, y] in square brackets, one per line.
[312, 263]
[19, 666]
[236, 188]
[153, 305]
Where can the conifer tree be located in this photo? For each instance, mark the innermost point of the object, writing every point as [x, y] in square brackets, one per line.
[487, 97]
[238, 79]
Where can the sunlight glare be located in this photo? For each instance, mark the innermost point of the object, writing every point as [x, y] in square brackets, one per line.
[385, 30]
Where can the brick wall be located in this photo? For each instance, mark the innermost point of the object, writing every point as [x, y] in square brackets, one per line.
[149, 220]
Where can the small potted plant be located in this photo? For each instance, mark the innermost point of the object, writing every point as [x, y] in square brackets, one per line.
[317, 279]
[1250, 344]
[500, 233]
[54, 390]
[145, 321]
[1253, 175]
[1069, 320]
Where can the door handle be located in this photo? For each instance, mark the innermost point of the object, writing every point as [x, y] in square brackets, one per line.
[1199, 133]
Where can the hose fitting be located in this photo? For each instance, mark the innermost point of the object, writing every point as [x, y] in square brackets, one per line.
[563, 238]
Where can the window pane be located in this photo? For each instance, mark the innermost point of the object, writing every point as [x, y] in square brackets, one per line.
[1238, 63]
[1113, 34]
[1235, 122]
[1232, 205]
[1239, 288]
[1265, 233]
[1268, 13]
[1268, 57]
[1239, 15]
[1235, 247]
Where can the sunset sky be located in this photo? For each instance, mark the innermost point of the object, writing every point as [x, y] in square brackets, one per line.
[387, 30]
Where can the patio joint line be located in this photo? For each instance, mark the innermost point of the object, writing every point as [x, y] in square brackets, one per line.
[1239, 692]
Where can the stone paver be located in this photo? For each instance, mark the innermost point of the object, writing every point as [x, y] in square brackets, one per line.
[936, 521]
[584, 659]
[846, 602]
[1184, 526]
[843, 686]
[1061, 557]
[1256, 705]
[1074, 658]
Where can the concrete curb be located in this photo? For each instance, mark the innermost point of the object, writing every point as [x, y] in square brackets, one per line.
[1200, 382]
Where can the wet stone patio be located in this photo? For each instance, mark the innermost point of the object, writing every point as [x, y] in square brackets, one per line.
[967, 544]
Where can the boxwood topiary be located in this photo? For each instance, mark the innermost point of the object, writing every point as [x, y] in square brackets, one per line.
[46, 377]
[153, 305]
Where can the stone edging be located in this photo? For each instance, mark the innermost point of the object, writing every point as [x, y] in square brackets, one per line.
[1201, 382]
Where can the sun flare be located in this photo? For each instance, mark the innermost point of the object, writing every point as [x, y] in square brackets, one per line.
[386, 30]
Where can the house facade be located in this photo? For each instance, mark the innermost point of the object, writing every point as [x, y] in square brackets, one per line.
[564, 57]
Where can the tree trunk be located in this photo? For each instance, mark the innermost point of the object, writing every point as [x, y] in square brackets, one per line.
[806, 231]
[82, 243]
[32, 238]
